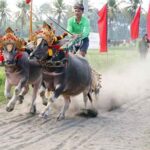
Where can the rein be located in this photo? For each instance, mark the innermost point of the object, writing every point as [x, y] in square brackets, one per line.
[54, 68]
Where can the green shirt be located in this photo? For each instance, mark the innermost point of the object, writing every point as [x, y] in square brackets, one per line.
[83, 27]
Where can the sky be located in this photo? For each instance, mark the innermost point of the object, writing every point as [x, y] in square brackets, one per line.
[95, 3]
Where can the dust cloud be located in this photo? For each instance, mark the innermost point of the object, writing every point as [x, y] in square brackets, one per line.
[123, 84]
[120, 85]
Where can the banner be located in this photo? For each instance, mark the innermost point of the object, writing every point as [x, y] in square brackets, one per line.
[102, 28]
[134, 27]
[28, 1]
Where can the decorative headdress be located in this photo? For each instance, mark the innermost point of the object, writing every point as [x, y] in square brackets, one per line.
[47, 33]
[10, 37]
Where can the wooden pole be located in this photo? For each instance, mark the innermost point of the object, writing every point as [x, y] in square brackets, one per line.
[30, 31]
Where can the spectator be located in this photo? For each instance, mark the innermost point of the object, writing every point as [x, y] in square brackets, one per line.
[143, 46]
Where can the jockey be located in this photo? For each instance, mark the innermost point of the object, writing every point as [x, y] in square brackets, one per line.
[80, 25]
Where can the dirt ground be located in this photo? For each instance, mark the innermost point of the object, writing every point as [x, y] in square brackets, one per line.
[125, 128]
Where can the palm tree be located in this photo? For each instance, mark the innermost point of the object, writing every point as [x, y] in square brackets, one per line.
[22, 14]
[69, 13]
[59, 9]
[45, 9]
[4, 12]
[112, 11]
[131, 9]
[93, 18]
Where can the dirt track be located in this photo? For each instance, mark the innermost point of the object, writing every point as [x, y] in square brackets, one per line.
[126, 128]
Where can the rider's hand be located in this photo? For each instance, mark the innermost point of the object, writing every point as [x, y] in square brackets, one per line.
[65, 34]
[74, 36]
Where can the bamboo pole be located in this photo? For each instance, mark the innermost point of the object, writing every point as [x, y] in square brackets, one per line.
[30, 30]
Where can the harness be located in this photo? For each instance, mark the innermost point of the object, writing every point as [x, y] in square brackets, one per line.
[49, 63]
[17, 57]
[58, 59]
[54, 68]
[54, 64]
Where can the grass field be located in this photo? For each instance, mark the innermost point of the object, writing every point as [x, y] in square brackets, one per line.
[2, 81]
[99, 61]
[104, 61]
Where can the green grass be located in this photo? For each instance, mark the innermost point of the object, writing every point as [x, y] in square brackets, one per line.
[2, 82]
[104, 61]
[99, 61]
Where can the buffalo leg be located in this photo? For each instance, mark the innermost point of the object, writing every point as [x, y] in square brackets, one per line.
[35, 90]
[55, 95]
[7, 89]
[65, 108]
[21, 84]
[86, 96]
[23, 92]
[12, 102]
[42, 91]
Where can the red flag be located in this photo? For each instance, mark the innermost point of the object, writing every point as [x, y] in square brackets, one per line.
[134, 27]
[102, 27]
[148, 23]
[28, 1]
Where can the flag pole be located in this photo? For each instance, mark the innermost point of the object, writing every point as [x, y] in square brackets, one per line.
[30, 30]
[148, 22]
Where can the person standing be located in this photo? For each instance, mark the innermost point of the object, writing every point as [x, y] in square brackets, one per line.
[144, 46]
[79, 25]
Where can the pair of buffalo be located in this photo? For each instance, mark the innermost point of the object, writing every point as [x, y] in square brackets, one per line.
[69, 76]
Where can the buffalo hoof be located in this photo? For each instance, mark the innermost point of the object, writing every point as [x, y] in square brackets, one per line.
[42, 93]
[60, 117]
[43, 115]
[17, 91]
[8, 97]
[20, 99]
[88, 113]
[44, 103]
[33, 110]
[9, 109]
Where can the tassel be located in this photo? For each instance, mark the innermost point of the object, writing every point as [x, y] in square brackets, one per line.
[50, 52]
[1, 58]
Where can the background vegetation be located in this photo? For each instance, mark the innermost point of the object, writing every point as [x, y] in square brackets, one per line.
[119, 17]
